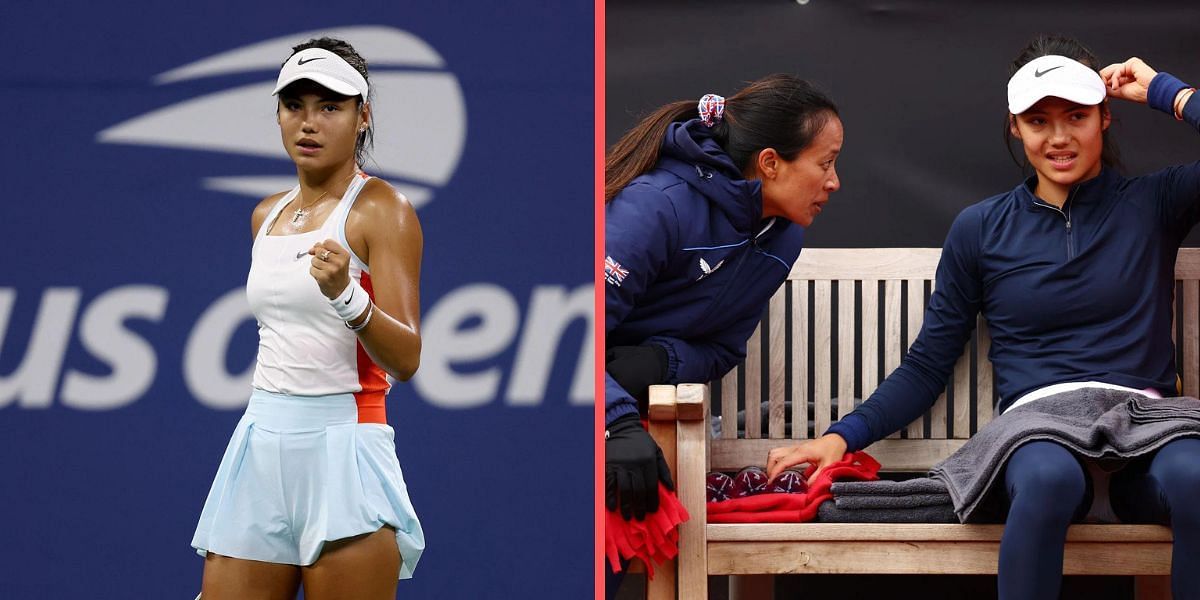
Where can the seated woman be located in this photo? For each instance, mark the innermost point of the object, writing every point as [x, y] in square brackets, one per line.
[1074, 272]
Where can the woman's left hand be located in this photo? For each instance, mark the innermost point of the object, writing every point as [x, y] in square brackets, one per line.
[1129, 80]
[330, 267]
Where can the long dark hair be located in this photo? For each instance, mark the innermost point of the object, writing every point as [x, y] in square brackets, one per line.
[1061, 45]
[365, 141]
[782, 112]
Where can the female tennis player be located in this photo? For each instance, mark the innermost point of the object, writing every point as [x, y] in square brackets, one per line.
[1074, 272]
[310, 491]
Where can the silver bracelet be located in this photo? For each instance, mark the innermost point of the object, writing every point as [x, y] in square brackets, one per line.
[370, 311]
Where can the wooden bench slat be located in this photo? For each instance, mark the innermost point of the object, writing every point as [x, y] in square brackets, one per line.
[777, 363]
[1191, 337]
[797, 532]
[916, 316]
[984, 390]
[938, 558]
[822, 314]
[846, 368]
[753, 384]
[866, 263]
[870, 337]
[692, 446]
[663, 431]
[939, 412]
[800, 375]
[894, 345]
[962, 395]
[729, 404]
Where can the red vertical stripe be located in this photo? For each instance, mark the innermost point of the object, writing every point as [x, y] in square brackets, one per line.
[371, 377]
[598, 240]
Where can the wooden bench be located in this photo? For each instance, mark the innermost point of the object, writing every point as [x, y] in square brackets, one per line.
[844, 320]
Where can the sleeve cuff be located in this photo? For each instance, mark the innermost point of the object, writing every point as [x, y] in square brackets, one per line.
[672, 358]
[1162, 91]
[618, 410]
[1191, 112]
[850, 430]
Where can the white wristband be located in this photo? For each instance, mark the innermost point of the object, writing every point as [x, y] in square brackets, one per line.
[351, 302]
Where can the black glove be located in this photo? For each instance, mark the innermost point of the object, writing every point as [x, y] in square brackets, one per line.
[633, 466]
[636, 368]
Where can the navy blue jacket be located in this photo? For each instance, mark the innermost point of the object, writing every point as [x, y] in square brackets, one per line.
[689, 261]
[1078, 294]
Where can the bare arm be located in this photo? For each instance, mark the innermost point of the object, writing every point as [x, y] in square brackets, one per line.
[384, 232]
[261, 211]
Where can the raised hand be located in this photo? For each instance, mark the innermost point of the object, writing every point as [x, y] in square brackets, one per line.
[1128, 80]
[330, 267]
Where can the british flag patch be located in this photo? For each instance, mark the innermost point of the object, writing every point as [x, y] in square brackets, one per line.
[614, 273]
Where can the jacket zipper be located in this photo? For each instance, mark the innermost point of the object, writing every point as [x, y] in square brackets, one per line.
[754, 240]
[736, 269]
[1067, 217]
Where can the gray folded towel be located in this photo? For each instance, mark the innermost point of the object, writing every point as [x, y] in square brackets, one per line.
[883, 487]
[1151, 410]
[880, 502]
[828, 512]
[1092, 422]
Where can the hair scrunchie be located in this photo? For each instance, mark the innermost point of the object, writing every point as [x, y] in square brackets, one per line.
[711, 108]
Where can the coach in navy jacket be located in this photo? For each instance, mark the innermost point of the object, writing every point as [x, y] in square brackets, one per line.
[690, 262]
[704, 218]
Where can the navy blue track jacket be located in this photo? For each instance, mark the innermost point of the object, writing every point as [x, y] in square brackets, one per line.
[1078, 294]
[690, 264]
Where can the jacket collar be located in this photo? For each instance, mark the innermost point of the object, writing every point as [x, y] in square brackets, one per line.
[1086, 192]
[690, 153]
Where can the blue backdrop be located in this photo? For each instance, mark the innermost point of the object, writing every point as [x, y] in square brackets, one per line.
[137, 139]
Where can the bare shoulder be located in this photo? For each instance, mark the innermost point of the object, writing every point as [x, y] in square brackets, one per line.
[260, 212]
[380, 204]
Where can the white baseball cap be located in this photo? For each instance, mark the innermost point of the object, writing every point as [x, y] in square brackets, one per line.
[325, 68]
[1056, 76]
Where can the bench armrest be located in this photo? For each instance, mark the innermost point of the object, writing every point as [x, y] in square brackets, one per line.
[662, 403]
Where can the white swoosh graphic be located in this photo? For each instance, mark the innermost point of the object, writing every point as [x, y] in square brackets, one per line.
[420, 116]
[426, 124]
[381, 46]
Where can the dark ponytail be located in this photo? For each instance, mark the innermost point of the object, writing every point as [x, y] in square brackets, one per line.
[1061, 45]
[637, 150]
[782, 112]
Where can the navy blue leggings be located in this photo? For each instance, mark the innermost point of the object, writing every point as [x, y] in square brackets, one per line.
[612, 581]
[1047, 489]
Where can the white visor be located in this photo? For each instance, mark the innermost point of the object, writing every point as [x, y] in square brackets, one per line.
[325, 68]
[1056, 76]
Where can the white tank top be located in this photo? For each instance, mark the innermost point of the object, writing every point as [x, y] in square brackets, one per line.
[304, 348]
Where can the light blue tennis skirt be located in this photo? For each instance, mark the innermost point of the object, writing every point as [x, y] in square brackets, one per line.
[300, 471]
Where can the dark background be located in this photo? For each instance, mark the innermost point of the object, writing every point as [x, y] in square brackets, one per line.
[920, 86]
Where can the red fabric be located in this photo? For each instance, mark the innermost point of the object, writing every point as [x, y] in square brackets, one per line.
[371, 377]
[795, 508]
[654, 540]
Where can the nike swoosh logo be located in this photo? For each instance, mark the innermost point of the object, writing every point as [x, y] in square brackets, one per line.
[303, 60]
[347, 302]
[1036, 73]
